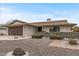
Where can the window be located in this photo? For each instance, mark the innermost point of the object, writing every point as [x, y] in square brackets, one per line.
[55, 29]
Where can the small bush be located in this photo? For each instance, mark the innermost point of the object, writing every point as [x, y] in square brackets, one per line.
[2, 34]
[18, 52]
[72, 42]
[37, 36]
[56, 37]
[16, 37]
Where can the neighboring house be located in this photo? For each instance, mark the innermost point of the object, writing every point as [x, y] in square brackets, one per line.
[22, 28]
[3, 30]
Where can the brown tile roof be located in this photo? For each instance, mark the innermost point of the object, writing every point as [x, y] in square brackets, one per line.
[53, 23]
[21, 23]
[38, 24]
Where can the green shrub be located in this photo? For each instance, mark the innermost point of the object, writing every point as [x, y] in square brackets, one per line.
[72, 42]
[56, 37]
[18, 52]
[37, 36]
[16, 37]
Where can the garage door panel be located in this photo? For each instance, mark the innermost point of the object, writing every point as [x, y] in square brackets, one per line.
[15, 30]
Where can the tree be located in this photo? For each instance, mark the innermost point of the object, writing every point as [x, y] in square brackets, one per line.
[10, 21]
[75, 29]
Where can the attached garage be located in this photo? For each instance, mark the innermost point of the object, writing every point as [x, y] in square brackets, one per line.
[20, 28]
[15, 30]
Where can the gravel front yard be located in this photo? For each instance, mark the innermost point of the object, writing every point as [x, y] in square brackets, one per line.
[36, 47]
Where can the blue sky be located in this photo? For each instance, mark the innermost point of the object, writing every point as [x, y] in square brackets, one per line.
[39, 12]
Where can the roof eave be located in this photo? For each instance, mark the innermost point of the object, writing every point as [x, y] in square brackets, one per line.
[56, 25]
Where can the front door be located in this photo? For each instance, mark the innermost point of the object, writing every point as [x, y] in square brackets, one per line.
[39, 29]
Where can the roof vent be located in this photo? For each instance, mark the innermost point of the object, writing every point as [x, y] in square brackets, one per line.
[49, 19]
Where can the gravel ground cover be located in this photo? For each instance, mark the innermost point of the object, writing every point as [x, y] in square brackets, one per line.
[36, 47]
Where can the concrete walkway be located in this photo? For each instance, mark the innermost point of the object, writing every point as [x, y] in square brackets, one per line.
[63, 44]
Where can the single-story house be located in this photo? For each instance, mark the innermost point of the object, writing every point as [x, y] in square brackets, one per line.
[18, 27]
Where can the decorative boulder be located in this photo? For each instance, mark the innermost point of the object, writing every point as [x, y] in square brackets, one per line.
[18, 52]
[37, 36]
[73, 42]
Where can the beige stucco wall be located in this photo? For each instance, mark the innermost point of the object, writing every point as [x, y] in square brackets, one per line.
[7, 31]
[28, 30]
[16, 23]
[65, 29]
[62, 29]
[4, 31]
[45, 29]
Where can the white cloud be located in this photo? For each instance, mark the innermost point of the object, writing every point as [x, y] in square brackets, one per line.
[25, 17]
[4, 9]
[57, 12]
[30, 17]
[64, 13]
[8, 14]
[60, 12]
